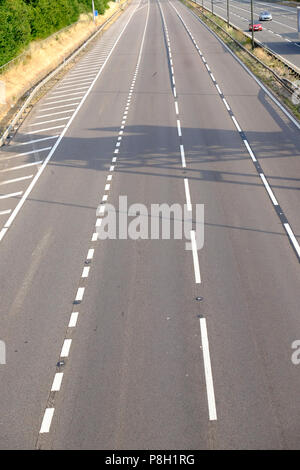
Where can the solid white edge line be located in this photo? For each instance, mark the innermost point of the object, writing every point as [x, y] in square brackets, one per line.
[47, 419]
[2, 233]
[195, 257]
[43, 166]
[212, 411]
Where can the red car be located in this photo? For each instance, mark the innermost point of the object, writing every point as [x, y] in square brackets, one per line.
[256, 27]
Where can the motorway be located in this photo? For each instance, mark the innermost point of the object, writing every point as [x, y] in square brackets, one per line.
[280, 35]
[107, 346]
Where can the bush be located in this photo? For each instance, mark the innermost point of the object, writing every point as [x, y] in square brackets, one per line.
[15, 31]
[85, 6]
[24, 20]
[49, 16]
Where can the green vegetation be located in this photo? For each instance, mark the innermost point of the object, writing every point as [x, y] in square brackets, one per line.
[22, 21]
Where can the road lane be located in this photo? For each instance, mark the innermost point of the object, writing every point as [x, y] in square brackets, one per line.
[133, 316]
[249, 277]
[135, 373]
[42, 253]
[139, 336]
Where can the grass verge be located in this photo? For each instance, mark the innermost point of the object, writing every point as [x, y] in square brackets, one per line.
[42, 57]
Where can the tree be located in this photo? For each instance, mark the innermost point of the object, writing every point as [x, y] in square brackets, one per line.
[15, 31]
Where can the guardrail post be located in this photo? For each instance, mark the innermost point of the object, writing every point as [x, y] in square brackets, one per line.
[228, 14]
[252, 21]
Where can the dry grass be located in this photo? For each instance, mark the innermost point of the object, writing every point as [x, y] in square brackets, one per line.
[44, 56]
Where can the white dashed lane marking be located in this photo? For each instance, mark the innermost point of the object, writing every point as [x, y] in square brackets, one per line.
[90, 254]
[57, 382]
[195, 257]
[73, 319]
[208, 371]
[80, 294]
[47, 419]
[187, 194]
[85, 271]
[66, 348]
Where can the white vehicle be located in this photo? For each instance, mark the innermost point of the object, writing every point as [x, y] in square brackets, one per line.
[265, 16]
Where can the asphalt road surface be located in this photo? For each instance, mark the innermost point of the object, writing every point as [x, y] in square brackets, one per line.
[280, 34]
[160, 112]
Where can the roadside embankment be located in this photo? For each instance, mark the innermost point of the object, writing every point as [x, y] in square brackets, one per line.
[42, 57]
